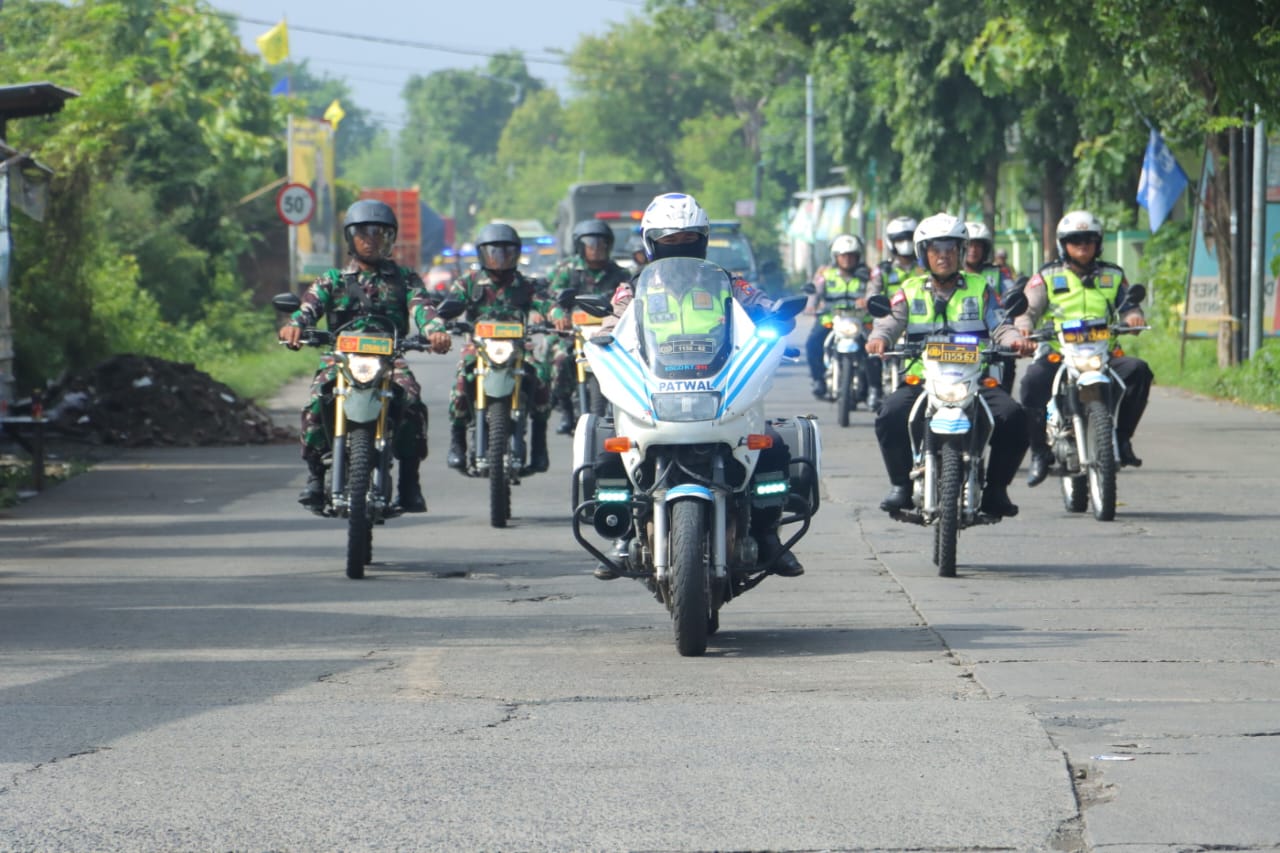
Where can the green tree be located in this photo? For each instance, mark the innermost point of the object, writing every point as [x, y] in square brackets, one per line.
[174, 124]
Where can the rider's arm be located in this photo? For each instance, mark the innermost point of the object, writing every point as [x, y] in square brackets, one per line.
[890, 327]
[425, 314]
[1134, 316]
[1037, 303]
[315, 302]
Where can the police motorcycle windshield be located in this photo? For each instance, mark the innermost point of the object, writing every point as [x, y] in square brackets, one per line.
[683, 313]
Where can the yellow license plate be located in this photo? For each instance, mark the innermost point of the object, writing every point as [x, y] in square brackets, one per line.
[582, 318]
[499, 330]
[364, 344]
[953, 353]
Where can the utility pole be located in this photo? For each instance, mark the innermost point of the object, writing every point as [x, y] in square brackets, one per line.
[1257, 240]
[808, 172]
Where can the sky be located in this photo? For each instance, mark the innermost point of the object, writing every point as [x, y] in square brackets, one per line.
[456, 30]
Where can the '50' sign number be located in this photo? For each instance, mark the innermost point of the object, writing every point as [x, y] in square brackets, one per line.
[296, 204]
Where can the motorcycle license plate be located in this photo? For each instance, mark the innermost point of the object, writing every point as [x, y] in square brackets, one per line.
[582, 318]
[499, 330]
[953, 353]
[364, 344]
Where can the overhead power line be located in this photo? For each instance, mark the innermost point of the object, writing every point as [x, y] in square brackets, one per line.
[419, 45]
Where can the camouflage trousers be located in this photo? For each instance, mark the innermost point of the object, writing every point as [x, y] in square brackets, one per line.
[534, 390]
[564, 373]
[407, 410]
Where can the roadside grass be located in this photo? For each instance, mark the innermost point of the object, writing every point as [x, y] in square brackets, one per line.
[259, 375]
[1255, 383]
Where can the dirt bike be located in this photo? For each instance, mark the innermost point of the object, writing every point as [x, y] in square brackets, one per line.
[360, 422]
[1080, 426]
[587, 396]
[845, 358]
[496, 446]
[674, 473]
[950, 426]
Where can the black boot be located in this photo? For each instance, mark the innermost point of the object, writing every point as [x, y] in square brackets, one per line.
[458, 447]
[787, 565]
[1041, 456]
[312, 494]
[996, 503]
[539, 460]
[567, 423]
[898, 498]
[411, 499]
[1128, 458]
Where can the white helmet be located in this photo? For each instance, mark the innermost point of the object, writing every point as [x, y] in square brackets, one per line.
[673, 213]
[980, 233]
[844, 244]
[940, 226]
[1074, 223]
[898, 234]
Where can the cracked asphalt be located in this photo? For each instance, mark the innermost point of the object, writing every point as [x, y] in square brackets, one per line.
[183, 665]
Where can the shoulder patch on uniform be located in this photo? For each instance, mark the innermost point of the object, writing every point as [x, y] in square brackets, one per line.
[898, 298]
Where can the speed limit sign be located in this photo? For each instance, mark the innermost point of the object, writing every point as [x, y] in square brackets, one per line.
[295, 203]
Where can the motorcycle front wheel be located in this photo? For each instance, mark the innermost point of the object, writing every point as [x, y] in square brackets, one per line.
[845, 401]
[1102, 460]
[690, 578]
[497, 424]
[359, 526]
[947, 528]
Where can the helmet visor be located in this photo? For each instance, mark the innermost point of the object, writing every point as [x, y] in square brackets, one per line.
[372, 239]
[498, 256]
[676, 236]
[595, 241]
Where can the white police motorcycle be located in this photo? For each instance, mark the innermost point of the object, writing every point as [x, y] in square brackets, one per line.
[674, 473]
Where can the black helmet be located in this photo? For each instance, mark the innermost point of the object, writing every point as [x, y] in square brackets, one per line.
[498, 247]
[591, 228]
[374, 219]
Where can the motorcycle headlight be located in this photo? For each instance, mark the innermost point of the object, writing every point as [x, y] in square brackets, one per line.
[694, 406]
[500, 351]
[846, 327]
[951, 392]
[364, 368]
[1086, 363]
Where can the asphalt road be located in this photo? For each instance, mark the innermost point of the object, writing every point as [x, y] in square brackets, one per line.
[183, 665]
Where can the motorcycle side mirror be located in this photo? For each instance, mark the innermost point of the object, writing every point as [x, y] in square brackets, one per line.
[286, 303]
[789, 306]
[1135, 295]
[566, 297]
[595, 304]
[450, 308]
[1015, 304]
[809, 288]
[879, 306]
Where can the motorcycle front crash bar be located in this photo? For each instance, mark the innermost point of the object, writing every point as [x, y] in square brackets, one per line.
[593, 550]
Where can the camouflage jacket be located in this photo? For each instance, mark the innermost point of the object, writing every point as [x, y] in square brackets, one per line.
[350, 293]
[485, 300]
[574, 273]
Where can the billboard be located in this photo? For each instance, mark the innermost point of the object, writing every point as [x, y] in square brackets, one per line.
[311, 162]
[1204, 310]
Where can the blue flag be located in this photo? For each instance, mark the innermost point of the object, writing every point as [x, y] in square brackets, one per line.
[1162, 181]
[281, 87]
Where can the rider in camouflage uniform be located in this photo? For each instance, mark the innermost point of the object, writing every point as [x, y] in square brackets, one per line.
[371, 284]
[590, 270]
[498, 291]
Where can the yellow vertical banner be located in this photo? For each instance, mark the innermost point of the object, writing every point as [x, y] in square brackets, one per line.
[311, 162]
